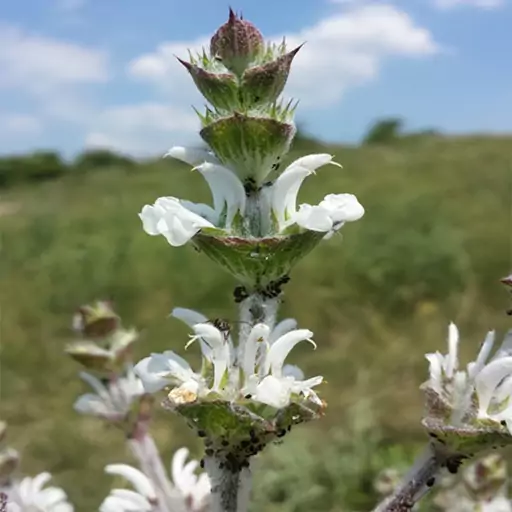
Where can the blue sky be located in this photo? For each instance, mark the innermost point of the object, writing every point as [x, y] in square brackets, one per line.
[76, 73]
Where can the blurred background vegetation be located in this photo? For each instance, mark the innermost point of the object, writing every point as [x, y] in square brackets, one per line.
[431, 248]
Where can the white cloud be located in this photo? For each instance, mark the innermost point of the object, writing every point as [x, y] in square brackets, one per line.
[141, 129]
[482, 4]
[20, 124]
[41, 65]
[342, 51]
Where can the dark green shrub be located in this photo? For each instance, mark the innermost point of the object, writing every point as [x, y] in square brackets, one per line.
[101, 158]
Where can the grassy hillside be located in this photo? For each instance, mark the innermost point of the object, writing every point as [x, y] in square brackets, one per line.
[435, 239]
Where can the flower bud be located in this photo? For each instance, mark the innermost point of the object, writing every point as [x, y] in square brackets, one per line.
[262, 85]
[236, 44]
[108, 358]
[96, 321]
[220, 89]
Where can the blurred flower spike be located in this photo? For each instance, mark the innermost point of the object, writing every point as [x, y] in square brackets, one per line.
[105, 346]
[469, 411]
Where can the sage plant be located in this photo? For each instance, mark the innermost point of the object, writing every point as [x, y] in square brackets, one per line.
[243, 397]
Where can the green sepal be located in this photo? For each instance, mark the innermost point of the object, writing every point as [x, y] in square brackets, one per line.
[250, 146]
[257, 261]
[262, 85]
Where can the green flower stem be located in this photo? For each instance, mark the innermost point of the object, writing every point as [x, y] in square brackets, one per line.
[418, 481]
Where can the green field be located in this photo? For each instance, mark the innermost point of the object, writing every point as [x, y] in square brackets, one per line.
[431, 248]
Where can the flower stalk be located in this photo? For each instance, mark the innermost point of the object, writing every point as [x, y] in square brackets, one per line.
[420, 478]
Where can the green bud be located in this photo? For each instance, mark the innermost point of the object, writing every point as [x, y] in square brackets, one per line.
[249, 145]
[258, 261]
[220, 89]
[113, 353]
[97, 320]
[236, 44]
[262, 85]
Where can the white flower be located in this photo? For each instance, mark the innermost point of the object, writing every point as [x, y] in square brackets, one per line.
[179, 221]
[328, 216]
[490, 381]
[257, 372]
[113, 400]
[29, 495]
[170, 218]
[143, 499]
[190, 492]
[195, 489]
[160, 370]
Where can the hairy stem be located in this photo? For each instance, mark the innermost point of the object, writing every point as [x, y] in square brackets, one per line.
[420, 478]
[231, 487]
[146, 452]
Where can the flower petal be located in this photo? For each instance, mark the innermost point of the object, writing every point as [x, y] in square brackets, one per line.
[159, 370]
[168, 217]
[282, 347]
[314, 218]
[342, 207]
[475, 367]
[150, 216]
[488, 379]
[452, 361]
[94, 405]
[436, 361]
[209, 333]
[273, 391]
[284, 326]
[191, 318]
[192, 156]
[182, 475]
[284, 193]
[95, 384]
[227, 190]
[138, 479]
[259, 334]
[291, 370]
[506, 347]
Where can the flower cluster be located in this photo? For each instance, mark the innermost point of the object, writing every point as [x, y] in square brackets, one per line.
[179, 221]
[254, 229]
[105, 346]
[470, 409]
[247, 380]
[192, 492]
[28, 494]
[119, 399]
[254, 375]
